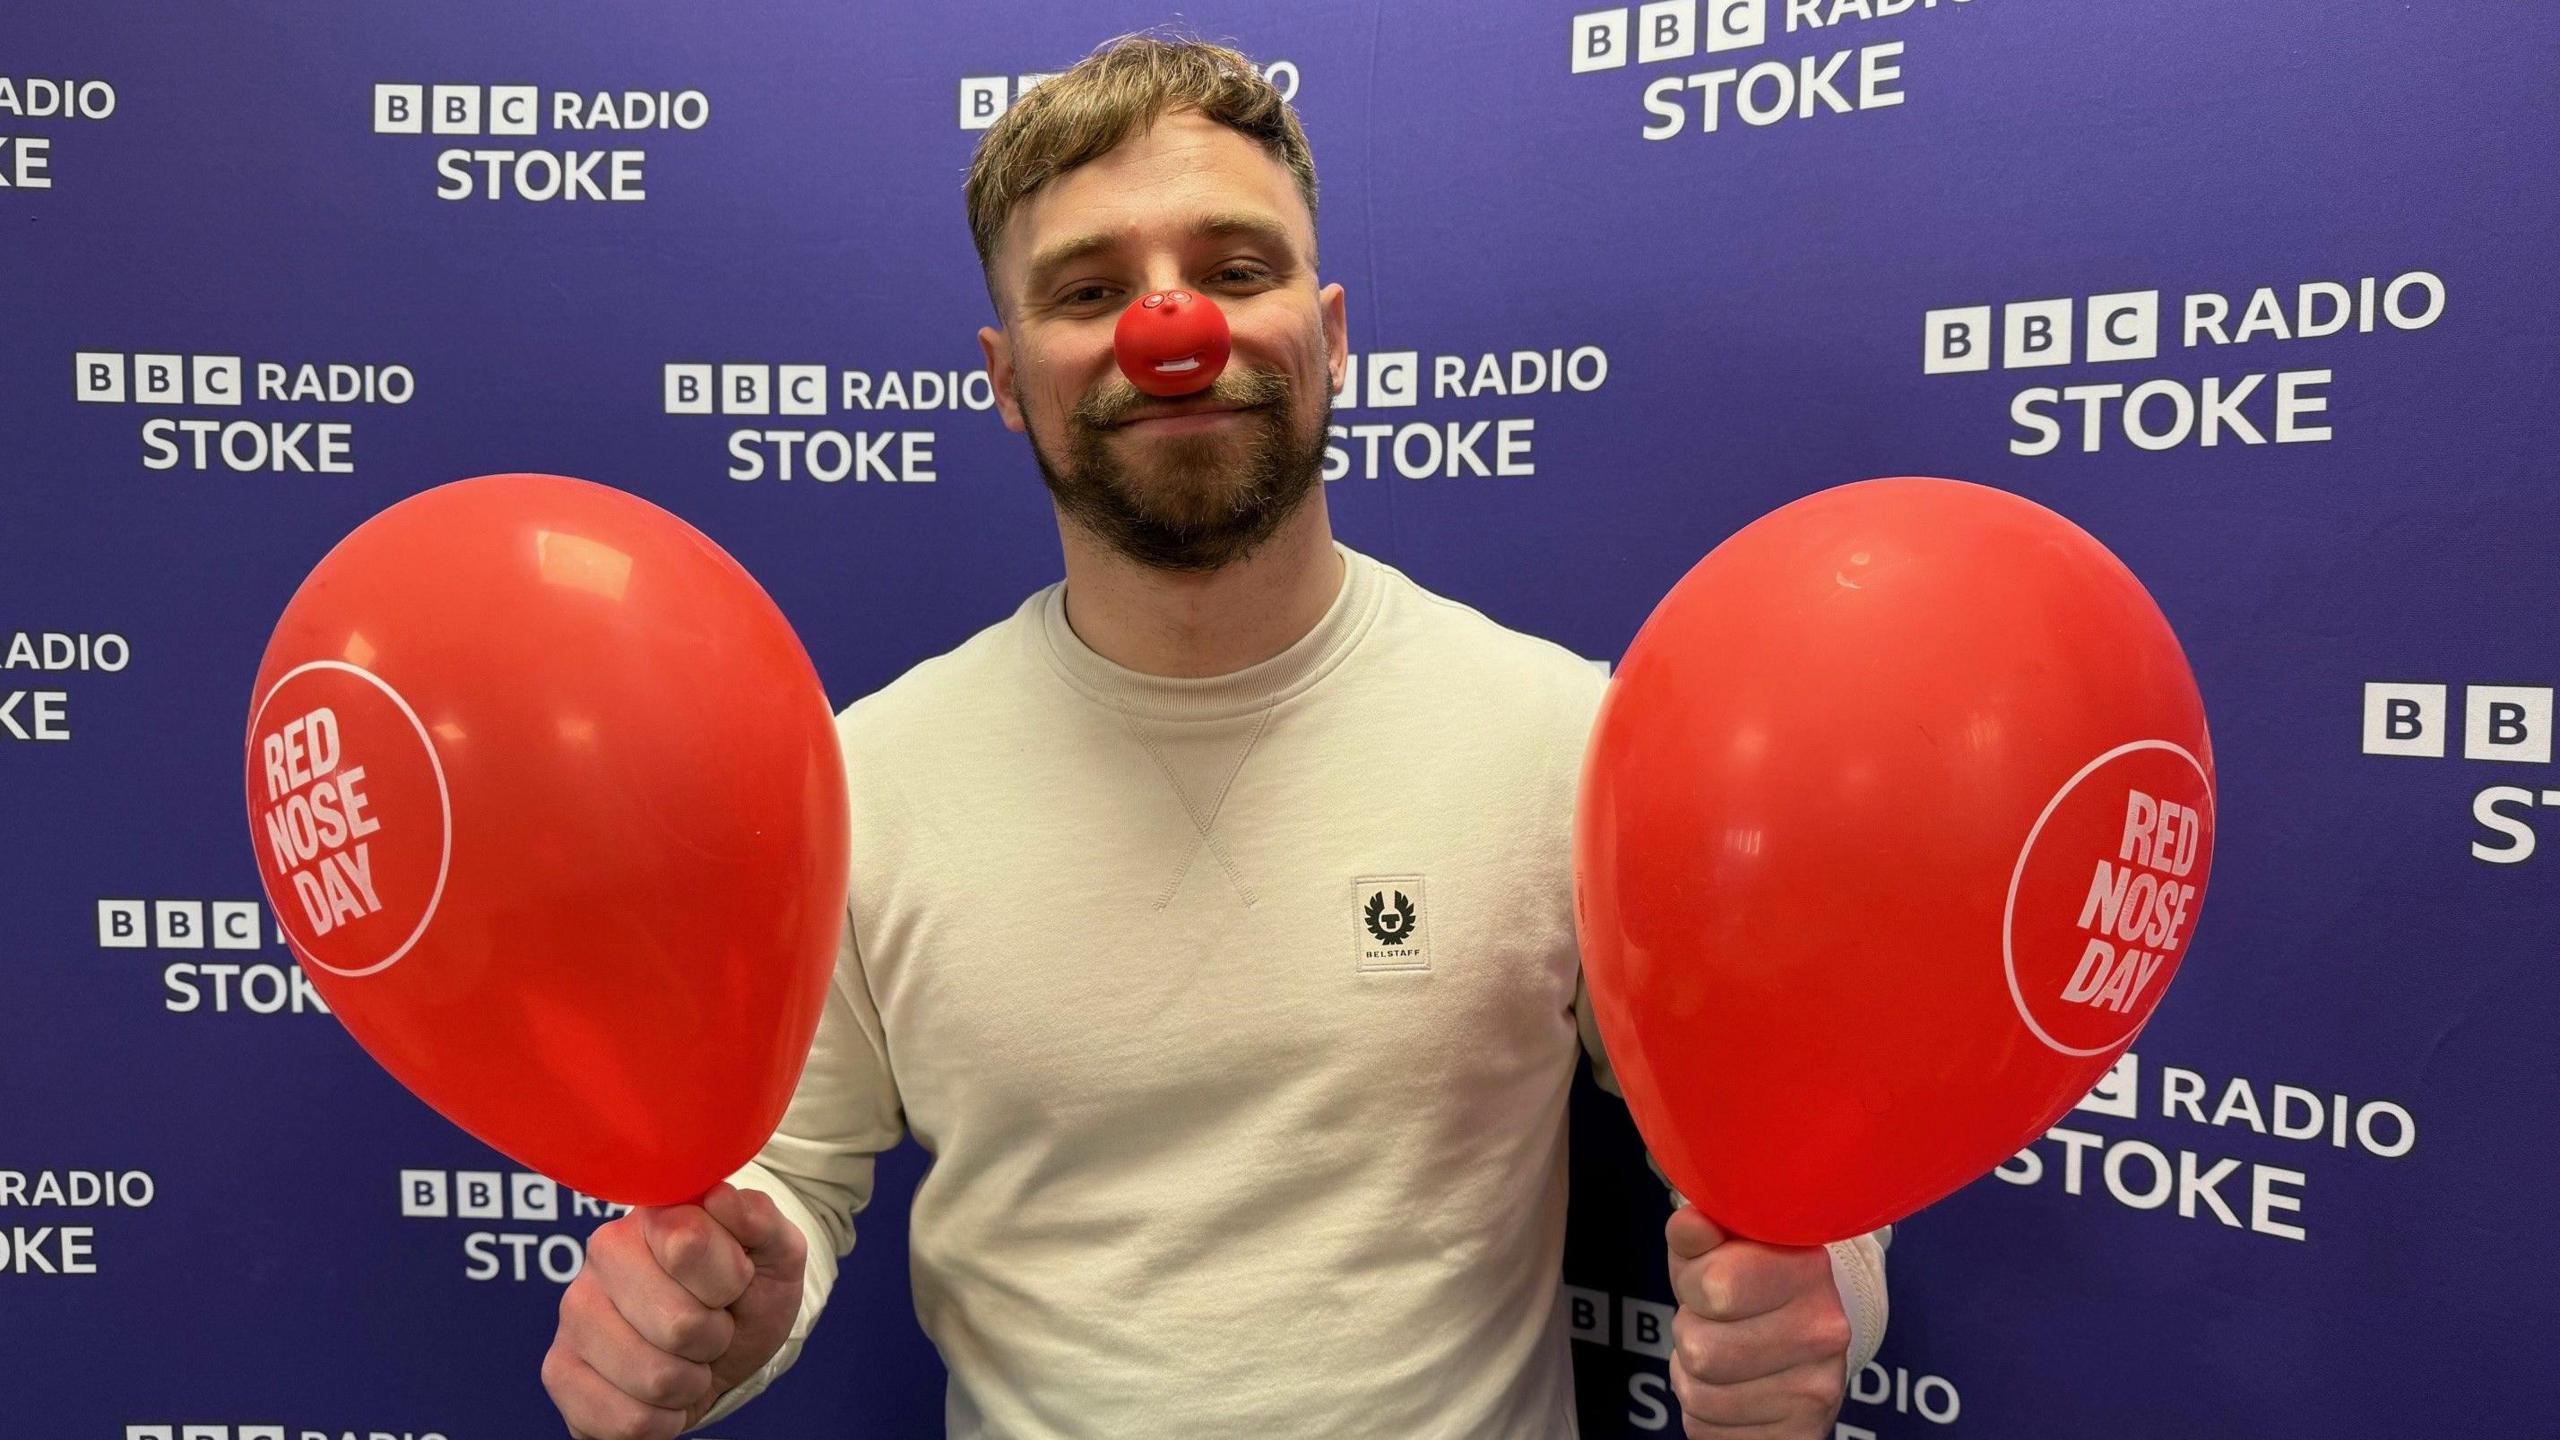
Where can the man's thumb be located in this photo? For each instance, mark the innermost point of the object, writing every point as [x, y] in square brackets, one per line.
[750, 1217]
[1691, 1234]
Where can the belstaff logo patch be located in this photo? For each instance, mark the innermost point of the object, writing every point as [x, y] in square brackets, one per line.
[1391, 924]
[1393, 933]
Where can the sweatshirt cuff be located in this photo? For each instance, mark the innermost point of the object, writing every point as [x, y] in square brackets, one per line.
[1857, 1268]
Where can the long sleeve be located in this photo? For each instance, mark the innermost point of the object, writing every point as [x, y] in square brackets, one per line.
[1857, 1263]
[818, 1166]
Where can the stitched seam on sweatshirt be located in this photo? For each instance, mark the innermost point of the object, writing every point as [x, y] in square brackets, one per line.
[1201, 825]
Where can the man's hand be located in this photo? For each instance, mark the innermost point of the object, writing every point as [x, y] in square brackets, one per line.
[1760, 1345]
[676, 1305]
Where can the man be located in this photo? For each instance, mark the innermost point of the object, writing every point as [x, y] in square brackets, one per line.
[1211, 919]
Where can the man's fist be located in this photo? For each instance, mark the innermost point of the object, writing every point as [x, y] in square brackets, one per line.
[1760, 1345]
[676, 1305]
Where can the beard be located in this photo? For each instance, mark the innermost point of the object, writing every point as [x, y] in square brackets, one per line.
[1187, 503]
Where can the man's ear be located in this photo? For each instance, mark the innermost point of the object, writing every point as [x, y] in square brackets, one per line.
[998, 348]
[1337, 333]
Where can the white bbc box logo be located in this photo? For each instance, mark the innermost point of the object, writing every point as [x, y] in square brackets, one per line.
[159, 379]
[2035, 333]
[454, 109]
[688, 389]
[425, 1193]
[533, 1197]
[2404, 719]
[515, 109]
[744, 389]
[99, 377]
[1586, 1313]
[478, 1195]
[235, 924]
[120, 925]
[2507, 722]
[399, 109]
[1393, 376]
[1644, 1326]
[982, 100]
[800, 389]
[2124, 326]
[204, 1432]
[1599, 40]
[1736, 24]
[216, 379]
[1956, 340]
[1666, 30]
[177, 924]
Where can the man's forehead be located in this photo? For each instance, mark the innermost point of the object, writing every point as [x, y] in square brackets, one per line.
[1184, 176]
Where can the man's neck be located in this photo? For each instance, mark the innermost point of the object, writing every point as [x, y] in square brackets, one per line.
[1159, 622]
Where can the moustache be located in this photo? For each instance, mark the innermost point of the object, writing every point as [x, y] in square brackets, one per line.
[1108, 404]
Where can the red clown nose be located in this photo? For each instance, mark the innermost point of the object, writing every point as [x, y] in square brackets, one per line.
[1171, 342]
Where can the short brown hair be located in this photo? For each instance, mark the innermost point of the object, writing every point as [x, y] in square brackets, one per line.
[1123, 87]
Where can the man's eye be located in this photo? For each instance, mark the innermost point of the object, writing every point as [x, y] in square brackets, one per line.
[1241, 274]
[1084, 294]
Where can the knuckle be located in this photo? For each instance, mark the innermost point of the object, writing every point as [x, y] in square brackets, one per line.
[702, 1333]
[1684, 1386]
[1714, 1404]
[672, 1384]
[1833, 1331]
[615, 1237]
[1691, 1343]
[685, 1247]
[578, 1305]
[1716, 1294]
[1828, 1388]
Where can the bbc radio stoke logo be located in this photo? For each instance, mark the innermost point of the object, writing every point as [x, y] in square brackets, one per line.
[2237, 1192]
[985, 98]
[1762, 93]
[1450, 449]
[26, 161]
[2501, 724]
[194, 982]
[828, 454]
[270, 1431]
[1643, 1327]
[2283, 407]
[240, 446]
[505, 113]
[502, 1250]
[54, 1247]
[45, 714]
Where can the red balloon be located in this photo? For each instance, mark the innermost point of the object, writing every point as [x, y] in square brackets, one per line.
[547, 798]
[1172, 342]
[1893, 829]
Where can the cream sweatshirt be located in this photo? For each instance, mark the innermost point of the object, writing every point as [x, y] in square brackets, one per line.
[1238, 1016]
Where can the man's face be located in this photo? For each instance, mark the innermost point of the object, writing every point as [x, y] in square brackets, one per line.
[1192, 482]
